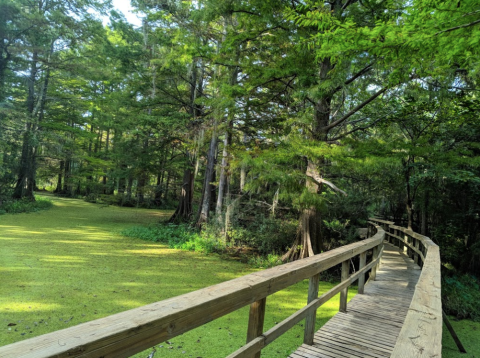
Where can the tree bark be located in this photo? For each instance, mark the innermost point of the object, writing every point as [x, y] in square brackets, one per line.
[207, 186]
[59, 188]
[26, 175]
[409, 194]
[128, 192]
[184, 208]
[309, 239]
[222, 184]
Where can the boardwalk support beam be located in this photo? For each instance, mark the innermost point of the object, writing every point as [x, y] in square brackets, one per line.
[344, 292]
[459, 344]
[361, 279]
[312, 317]
[255, 321]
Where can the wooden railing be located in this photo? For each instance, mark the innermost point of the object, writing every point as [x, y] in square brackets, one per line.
[421, 333]
[130, 332]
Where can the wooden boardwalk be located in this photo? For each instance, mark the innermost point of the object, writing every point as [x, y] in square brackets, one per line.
[373, 320]
[399, 315]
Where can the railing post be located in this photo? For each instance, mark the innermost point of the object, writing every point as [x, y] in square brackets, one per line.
[415, 255]
[310, 320]
[255, 321]
[361, 279]
[405, 247]
[344, 292]
[373, 273]
[400, 241]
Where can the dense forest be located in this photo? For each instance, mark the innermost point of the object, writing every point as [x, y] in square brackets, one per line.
[291, 121]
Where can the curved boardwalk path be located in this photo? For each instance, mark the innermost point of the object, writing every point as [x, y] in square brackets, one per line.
[373, 320]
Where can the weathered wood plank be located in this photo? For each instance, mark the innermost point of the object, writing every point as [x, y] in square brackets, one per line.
[421, 334]
[373, 320]
[361, 279]
[311, 318]
[282, 327]
[344, 292]
[255, 321]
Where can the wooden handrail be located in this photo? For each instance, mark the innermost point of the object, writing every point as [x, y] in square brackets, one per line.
[130, 332]
[421, 333]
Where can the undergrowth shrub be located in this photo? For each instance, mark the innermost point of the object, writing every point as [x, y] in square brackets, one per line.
[267, 261]
[265, 234]
[130, 202]
[176, 237]
[461, 295]
[24, 206]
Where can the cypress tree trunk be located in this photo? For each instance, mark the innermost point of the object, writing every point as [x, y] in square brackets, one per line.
[309, 239]
[160, 179]
[121, 185]
[58, 189]
[26, 183]
[26, 175]
[66, 182]
[222, 184]
[165, 195]
[141, 182]
[104, 179]
[204, 209]
[184, 208]
[128, 194]
[409, 193]
[243, 169]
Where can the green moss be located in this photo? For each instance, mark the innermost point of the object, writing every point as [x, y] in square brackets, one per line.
[70, 265]
[468, 332]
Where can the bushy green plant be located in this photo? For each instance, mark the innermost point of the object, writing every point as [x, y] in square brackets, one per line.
[25, 206]
[266, 234]
[176, 237]
[167, 234]
[200, 243]
[267, 261]
[461, 295]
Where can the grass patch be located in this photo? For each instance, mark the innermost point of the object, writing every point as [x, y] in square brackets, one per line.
[70, 265]
[25, 206]
[468, 333]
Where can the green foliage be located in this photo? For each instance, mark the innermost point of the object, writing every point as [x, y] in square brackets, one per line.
[25, 206]
[265, 234]
[176, 237]
[270, 260]
[160, 233]
[461, 295]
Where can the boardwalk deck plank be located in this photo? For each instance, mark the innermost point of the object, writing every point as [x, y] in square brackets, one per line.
[373, 320]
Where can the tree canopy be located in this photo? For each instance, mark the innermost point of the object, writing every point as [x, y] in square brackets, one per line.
[233, 112]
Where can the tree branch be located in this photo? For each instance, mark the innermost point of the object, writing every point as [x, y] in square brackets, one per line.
[246, 12]
[458, 27]
[354, 77]
[340, 136]
[318, 180]
[355, 110]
